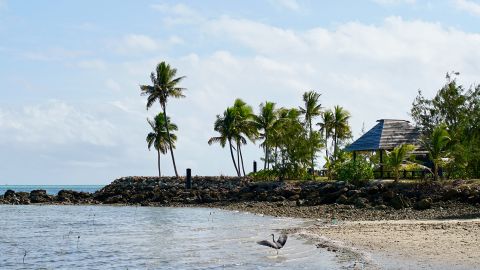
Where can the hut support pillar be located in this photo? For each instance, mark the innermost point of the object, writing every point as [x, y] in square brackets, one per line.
[354, 156]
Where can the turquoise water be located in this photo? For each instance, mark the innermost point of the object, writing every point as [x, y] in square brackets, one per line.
[51, 189]
[113, 237]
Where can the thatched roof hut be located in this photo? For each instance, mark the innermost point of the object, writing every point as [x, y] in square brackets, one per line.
[386, 135]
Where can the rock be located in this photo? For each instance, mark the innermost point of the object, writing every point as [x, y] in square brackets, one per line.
[342, 199]
[451, 194]
[9, 194]
[361, 203]
[423, 204]
[381, 207]
[39, 196]
[300, 202]
[399, 202]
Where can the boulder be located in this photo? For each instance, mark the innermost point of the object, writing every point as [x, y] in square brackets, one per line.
[399, 202]
[423, 204]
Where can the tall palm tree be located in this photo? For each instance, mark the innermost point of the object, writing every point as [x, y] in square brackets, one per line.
[244, 127]
[436, 146]
[164, 85]
[225, 125]
[341, 129]
[159, 138]
[312, 109]
[326, 127]
[398, 156]
[265, 122]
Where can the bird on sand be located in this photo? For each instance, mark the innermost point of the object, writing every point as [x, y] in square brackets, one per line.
[278, 244]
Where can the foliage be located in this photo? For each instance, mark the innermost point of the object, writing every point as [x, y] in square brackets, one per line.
[164, 85]
[357, 172]
[398, 156]
[159, 138]
[312, 109]
[436, 145]
[458, 110]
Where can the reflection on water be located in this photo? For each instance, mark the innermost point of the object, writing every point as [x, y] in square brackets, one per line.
[101, 237]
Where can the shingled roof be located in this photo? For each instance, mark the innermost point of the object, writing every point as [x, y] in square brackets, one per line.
[386, 135]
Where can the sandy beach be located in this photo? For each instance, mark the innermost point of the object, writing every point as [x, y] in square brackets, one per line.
[404, 244]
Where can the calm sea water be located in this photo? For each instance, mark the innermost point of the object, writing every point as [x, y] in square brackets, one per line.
[110, 237]
[51, 189]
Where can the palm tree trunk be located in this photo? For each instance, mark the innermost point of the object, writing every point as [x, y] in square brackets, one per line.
[233, 157]
[169, 140]
[265, 159]
[326, 144]
[241, 157]
[435, 171]
[238, 156]
[335, 145]
[159, 171]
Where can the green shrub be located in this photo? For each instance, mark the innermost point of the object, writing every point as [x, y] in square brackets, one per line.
[356, 172]
[264, 175]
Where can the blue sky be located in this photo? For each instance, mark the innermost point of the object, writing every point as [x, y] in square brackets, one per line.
[70, 108]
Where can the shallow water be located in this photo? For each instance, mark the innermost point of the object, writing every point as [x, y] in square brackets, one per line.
[101, 237]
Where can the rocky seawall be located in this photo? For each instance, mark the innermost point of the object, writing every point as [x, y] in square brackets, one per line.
[151, 191]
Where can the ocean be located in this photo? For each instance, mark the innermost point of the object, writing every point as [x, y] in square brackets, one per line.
[128, 237]
[51, 189]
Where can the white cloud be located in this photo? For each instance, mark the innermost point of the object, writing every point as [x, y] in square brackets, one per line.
[93, 64]
[288, 4]
[54, 54]
[178, 14]
[468, 6]
[54, 123]
[134, 44]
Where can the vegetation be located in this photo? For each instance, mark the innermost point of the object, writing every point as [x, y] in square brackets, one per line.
[312, 109]
[159, 138]
[164, 86]
[397, 158]
[357, 171]
[453, 114]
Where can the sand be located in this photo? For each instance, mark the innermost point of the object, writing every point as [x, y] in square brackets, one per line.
[405, 244]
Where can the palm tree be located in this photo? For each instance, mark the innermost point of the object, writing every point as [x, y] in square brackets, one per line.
[312, 109]
[265, 122]
[159, 138]
[398, 156]
[341, 129]
[244, 127]
[164, 86]
[326, 127]
[436, 146]
[225, 125]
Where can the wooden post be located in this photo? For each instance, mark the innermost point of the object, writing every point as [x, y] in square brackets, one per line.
[381, 164]
[354, 156]
[404, 174]
[254, 166]
[188, 182]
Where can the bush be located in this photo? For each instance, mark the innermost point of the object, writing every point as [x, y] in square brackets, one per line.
[263, 175]
[356, 172]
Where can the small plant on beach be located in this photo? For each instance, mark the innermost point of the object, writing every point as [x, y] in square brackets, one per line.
[164, 85]
[159, 138]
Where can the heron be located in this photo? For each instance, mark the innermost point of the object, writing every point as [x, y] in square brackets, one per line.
[274, 244]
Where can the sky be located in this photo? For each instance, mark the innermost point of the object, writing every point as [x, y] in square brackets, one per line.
[70, 105]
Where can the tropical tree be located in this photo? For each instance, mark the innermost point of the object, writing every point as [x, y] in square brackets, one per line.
[159, 138]
[397, 157]
[265, 123]
[436, 146]
[326, 128]
[164, 85]
[311, 110]
[225, 125]
[341, 128]
[244, 127]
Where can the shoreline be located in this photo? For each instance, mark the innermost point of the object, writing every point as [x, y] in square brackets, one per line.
[373, 244]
